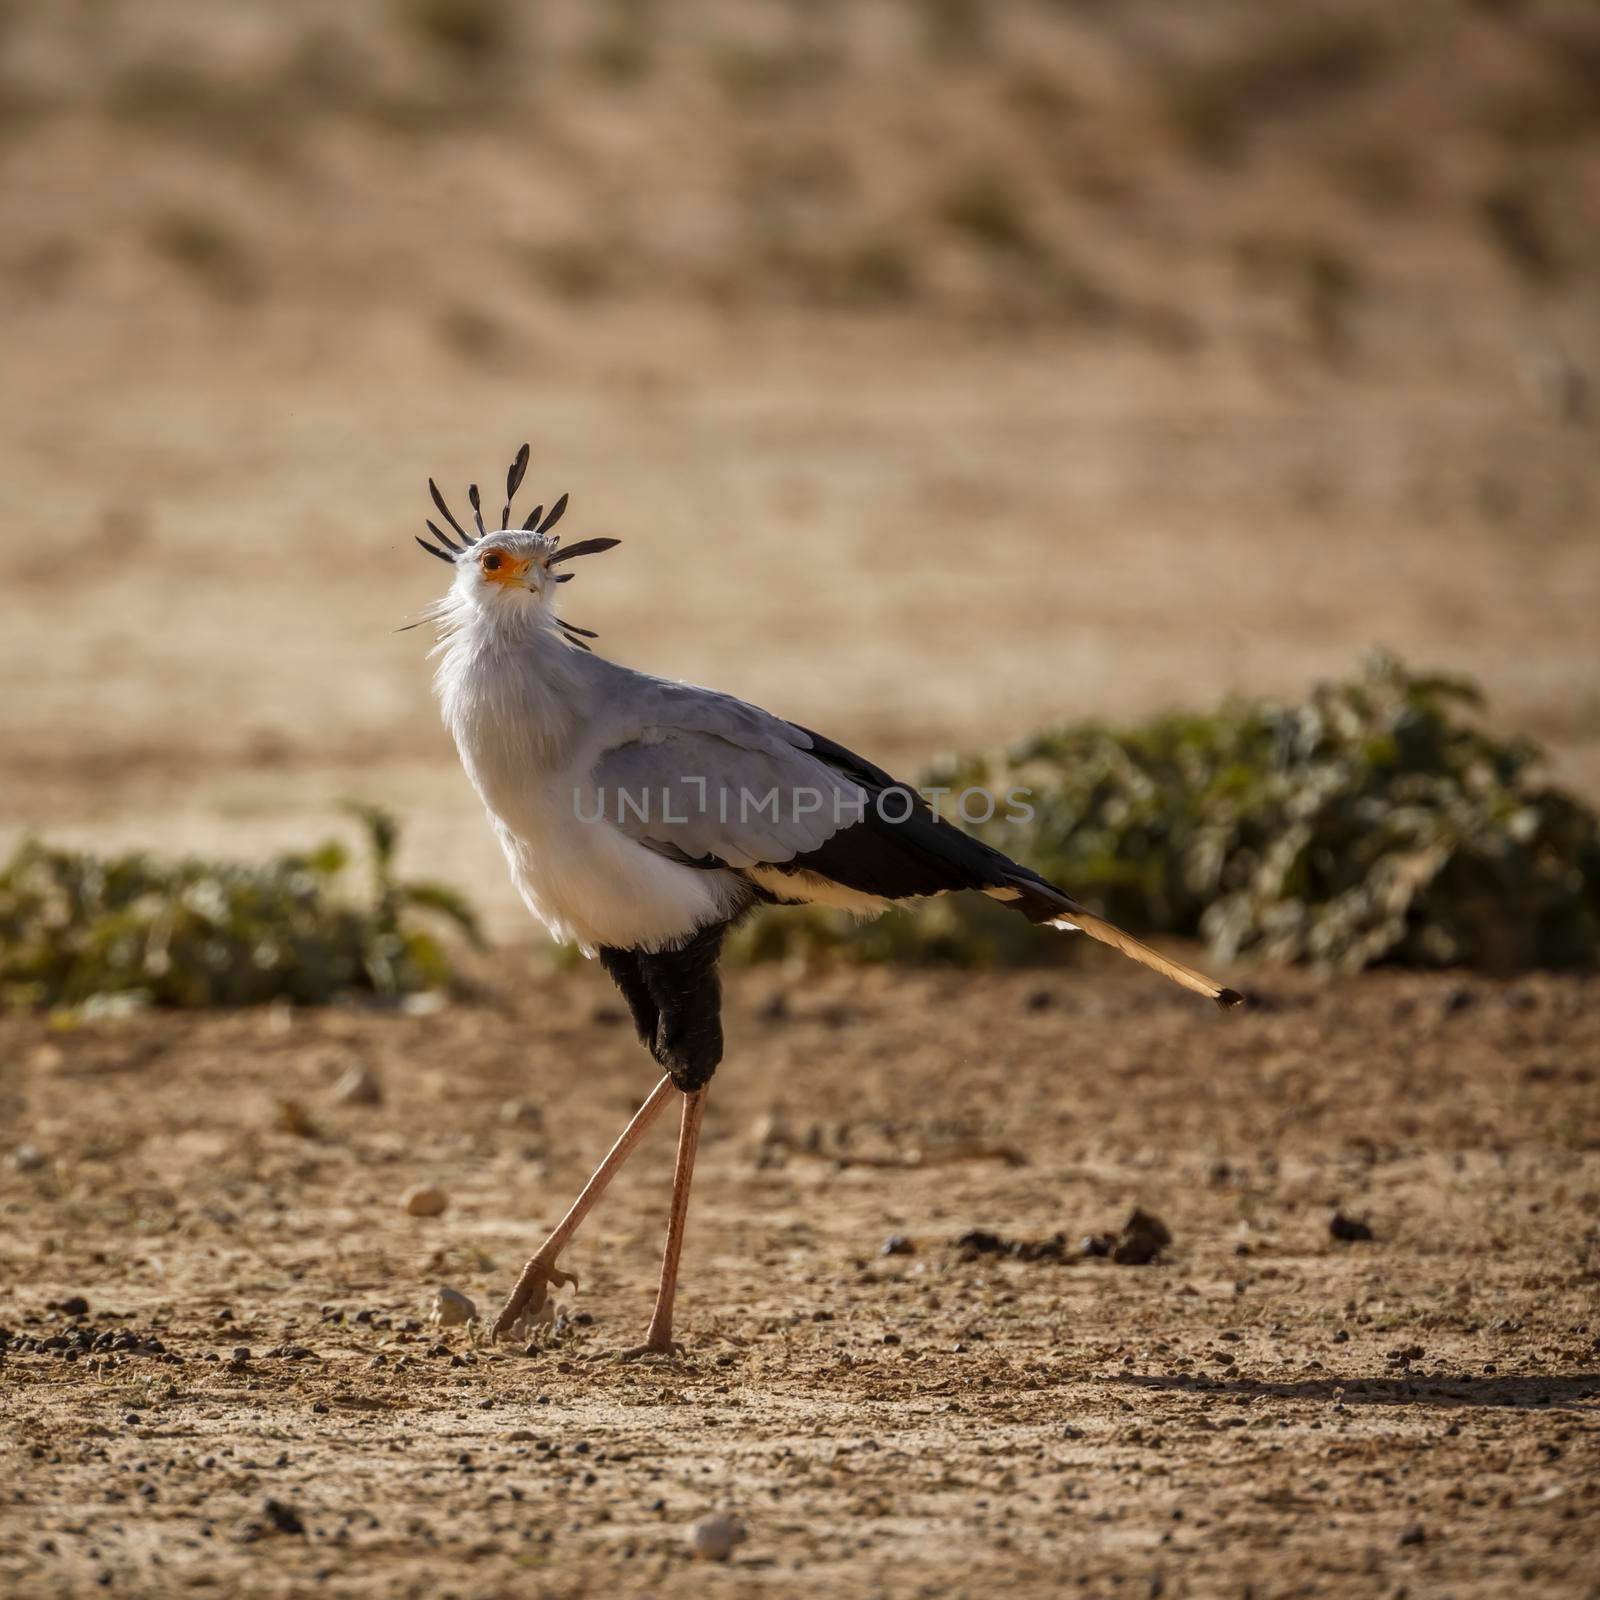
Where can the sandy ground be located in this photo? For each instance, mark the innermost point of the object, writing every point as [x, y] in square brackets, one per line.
[1263, 1410]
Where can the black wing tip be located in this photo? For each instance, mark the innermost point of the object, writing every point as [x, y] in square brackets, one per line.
[1227, 999]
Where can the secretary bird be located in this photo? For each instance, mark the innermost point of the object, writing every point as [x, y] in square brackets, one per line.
[642, 818]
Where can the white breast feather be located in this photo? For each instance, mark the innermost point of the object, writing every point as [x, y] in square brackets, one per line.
[513, 715]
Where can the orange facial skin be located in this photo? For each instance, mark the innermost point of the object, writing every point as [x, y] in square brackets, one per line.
[498, 567]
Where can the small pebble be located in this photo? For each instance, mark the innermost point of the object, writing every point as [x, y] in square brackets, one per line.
[714, 1538]
[425, 1201]
[28, 1158]
[520, 1113]
[450, 1308]
[359, 1087]
[1144, 1236]
[284, 1518]
[1348, 1230]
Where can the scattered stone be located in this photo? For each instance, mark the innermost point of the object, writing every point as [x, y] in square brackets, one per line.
[425, 1201]
[1348, 1230]
[1097, 1244]
[1144, 1236]
[241, 1352]
[73, 1306]
[520, 1113]
[28, 1158]
[450, 1308]
[291, 1116]
[897, 1245]
[1415, 1534]
[772, 1132]
[714, 1538]
[283, 1517]
[359, 1087]
[978, 1243]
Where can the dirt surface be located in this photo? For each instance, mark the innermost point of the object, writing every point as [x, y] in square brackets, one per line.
[1262, 1409]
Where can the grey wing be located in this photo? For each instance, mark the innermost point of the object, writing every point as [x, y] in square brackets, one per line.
[711, 798]
[736, 786]
[641, 704]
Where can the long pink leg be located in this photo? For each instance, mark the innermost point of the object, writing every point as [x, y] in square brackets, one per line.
[658, 1341]
[541, 1272]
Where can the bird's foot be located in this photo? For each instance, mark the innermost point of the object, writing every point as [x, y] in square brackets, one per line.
[529, 1302]
[661, 1349]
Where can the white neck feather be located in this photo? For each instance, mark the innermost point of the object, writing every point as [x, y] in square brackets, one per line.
[506, 685]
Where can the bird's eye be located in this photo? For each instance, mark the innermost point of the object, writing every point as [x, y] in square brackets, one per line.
[491, 563]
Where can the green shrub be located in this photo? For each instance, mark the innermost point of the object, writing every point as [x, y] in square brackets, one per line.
[1375, 822]
[204, 933]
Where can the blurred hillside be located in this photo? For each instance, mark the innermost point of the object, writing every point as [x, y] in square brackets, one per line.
[949, 369]
[1347, 183]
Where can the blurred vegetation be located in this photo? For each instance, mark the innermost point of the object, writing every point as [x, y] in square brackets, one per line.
[1377, 822]
[194, 933]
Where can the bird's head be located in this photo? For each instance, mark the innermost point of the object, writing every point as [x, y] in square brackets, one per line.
[505, 572]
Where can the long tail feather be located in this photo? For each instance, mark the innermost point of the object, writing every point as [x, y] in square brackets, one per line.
[1109, 933]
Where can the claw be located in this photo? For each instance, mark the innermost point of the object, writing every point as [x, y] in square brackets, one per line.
[531, 1294]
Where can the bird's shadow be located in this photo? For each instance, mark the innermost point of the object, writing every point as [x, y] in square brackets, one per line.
[1579, 1389]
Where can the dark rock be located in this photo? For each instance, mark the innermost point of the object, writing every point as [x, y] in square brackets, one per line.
[979, 1243]
[1144, 1236]
[1348, 1230]
[283, 1517]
